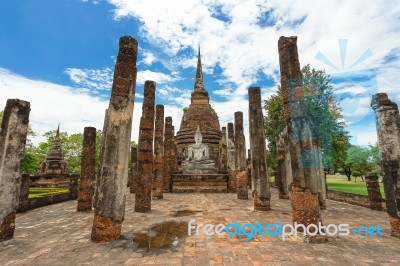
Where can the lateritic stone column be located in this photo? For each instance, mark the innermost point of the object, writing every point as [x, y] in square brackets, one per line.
[374, 193]
[88, 171]
[388, 128]
[223, 150]
[133, 172]
[259, 172]
[158, 181]
[240, 148]
[14, 129]
[169, 146]
[281, 178]
[304, 151]
[145, 151]
[109, 197]
[231, 167]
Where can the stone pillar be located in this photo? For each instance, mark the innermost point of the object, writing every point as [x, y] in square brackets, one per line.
[288, 177]
[303, 146]
[158, 186]
[133, 172]
[231, 148]
[14, 129]
[223, 150]
[240, 143]
[88, 171]
[168, 153]
[241, 185]
[145, 151]
[388, 128]
[281, 178]
[109, 197]
[259, 171]
[73, 186]
[374, 193]
[24, 193]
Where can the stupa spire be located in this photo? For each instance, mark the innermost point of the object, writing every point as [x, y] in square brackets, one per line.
[199, 84]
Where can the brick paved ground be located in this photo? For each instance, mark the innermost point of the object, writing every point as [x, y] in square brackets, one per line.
[58, 235]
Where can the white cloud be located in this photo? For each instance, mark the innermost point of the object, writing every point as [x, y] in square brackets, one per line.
[157, 77]
[52, 103]
[95, 79]
[148, 58]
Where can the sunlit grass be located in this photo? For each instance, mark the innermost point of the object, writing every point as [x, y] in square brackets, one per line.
[37, 192]
[340, 183]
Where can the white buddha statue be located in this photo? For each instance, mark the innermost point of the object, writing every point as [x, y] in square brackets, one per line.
[198, 156]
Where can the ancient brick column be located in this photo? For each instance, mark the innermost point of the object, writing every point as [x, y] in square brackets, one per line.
[88, 170]
[374, 193]
[73, 186]
[14, 129]
[281, 178]
[231, 148]
[240, 143]
[259, 172]
[24, 193]
[168, 153]
[223, 150]
[133, 172]
[109, 197]
[388, 128]
[158, 181]
[241, 185]
[145, 151]
[304, 150]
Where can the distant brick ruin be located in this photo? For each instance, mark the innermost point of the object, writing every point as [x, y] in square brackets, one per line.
[304, 152]
[88, 171]
[374, 192]
[14, 129]
[109, 199]
[388, 128]
[145, 174]
[258, 149]
[133, 170]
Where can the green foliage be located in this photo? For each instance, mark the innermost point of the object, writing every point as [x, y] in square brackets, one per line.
[356, 173]
[185, 108]
[363, 159]
[324, 112]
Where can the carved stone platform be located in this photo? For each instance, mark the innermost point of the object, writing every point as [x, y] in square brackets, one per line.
[212, 183]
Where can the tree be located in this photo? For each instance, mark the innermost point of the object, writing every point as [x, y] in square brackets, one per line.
[324, 112]
[361, 159]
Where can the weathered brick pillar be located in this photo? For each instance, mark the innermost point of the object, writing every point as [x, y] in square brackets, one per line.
[231, 167]
[73, 186]
[240, 143]
[241, 185]
[223, 150]
[158, 186]
[133, 172]
[304, 151]
[24, 193]
[145, 151]
[281, 178]
[288, 177]
[168, 153]
[109, 197]
[259, 172]
[88, 171]
[374, 193]
[388, 128]
[14, 129]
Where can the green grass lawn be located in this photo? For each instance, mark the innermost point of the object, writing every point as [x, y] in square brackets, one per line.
[340, 183]
[37, 192]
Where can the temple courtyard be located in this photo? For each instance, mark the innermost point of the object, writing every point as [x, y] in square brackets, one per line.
[59, 235]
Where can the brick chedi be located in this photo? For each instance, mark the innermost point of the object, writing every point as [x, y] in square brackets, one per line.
[14, 129]
[388, 128]
[199, 114]
[109, 199]
[88, 171]
[54, 163]
[304, 151]
[158, 153]
[145, 175]
[259, 173]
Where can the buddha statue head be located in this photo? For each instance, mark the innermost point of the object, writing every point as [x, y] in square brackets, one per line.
[198, 138]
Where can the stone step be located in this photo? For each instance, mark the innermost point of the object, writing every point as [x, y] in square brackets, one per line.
[187, 183]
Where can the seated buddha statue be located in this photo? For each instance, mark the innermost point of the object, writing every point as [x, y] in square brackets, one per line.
[198, 156]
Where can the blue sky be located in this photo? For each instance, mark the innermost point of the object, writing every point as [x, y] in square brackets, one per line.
[60, 55]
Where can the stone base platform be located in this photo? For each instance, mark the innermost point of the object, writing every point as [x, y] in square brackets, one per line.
[200, 183]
